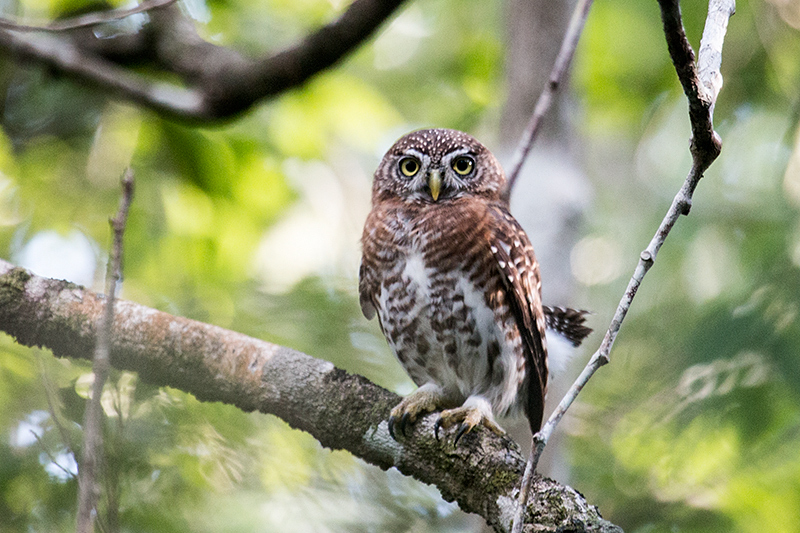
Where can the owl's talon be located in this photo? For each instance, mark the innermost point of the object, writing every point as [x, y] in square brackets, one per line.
[475, 411]
[406, 418]
[436, 427]
[462, 430]
[423, 400]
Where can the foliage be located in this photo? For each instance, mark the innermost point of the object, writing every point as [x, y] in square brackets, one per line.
[254, 226]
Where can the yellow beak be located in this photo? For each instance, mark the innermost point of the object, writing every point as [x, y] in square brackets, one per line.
[435, 183]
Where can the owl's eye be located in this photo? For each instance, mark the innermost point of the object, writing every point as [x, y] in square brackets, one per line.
[409, 166]
[463, 165]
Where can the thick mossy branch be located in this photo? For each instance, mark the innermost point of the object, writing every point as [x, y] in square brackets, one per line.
[341, 410]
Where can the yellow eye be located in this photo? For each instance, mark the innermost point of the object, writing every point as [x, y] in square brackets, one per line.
[463, 165]
[409, 166]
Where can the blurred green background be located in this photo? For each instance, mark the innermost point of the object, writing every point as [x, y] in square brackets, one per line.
[254, 226]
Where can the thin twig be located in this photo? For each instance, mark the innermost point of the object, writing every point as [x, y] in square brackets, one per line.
[48, 394]
[50, 455]
[93, 436]
[563, 60]
[701, 86]
[85, 21]
[68, 57]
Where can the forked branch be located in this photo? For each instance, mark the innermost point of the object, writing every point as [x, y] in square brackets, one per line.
[701, 83]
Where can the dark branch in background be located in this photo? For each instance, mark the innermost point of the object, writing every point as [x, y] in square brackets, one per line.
[701, 84]
[91, 463]
[218, 82]
[62, 54]
[341, 410]
[84, 21]
[563, 60]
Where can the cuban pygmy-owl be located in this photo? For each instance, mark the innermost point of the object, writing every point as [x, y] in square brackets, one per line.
[455, 284]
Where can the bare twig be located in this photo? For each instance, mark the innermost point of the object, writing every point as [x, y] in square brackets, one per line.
[85, 21]
[560, 67]
[701, 87]
[92, 428]
[563, 60]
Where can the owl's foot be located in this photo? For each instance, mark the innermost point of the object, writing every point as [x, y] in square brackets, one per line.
[475, 410]
[425, 399]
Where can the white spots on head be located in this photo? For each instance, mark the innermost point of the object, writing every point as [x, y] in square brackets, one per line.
[440, 147]
[493, 249]
[437, 142]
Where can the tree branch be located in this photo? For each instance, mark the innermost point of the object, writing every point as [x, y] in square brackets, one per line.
[294, 66]
[341, 410]
[220, 83]
[701, 91]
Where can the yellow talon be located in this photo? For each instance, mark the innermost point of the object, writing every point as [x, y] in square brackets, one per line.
[475, 411]
[425, 399]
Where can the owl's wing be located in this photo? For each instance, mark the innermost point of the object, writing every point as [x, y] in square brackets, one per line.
[513, 254]
[366, 289]
[378, 255]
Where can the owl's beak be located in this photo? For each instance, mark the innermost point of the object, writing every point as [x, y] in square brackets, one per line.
[435, 183]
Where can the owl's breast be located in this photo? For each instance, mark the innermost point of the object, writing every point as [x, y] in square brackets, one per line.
[440, 320]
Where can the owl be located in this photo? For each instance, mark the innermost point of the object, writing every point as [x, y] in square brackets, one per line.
[454, 282]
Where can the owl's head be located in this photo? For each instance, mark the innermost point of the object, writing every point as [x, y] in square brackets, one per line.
[437, 165]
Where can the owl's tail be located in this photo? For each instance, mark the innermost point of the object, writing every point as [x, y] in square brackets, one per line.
[568, 322]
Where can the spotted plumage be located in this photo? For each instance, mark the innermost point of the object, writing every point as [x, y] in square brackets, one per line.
[455, 285]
